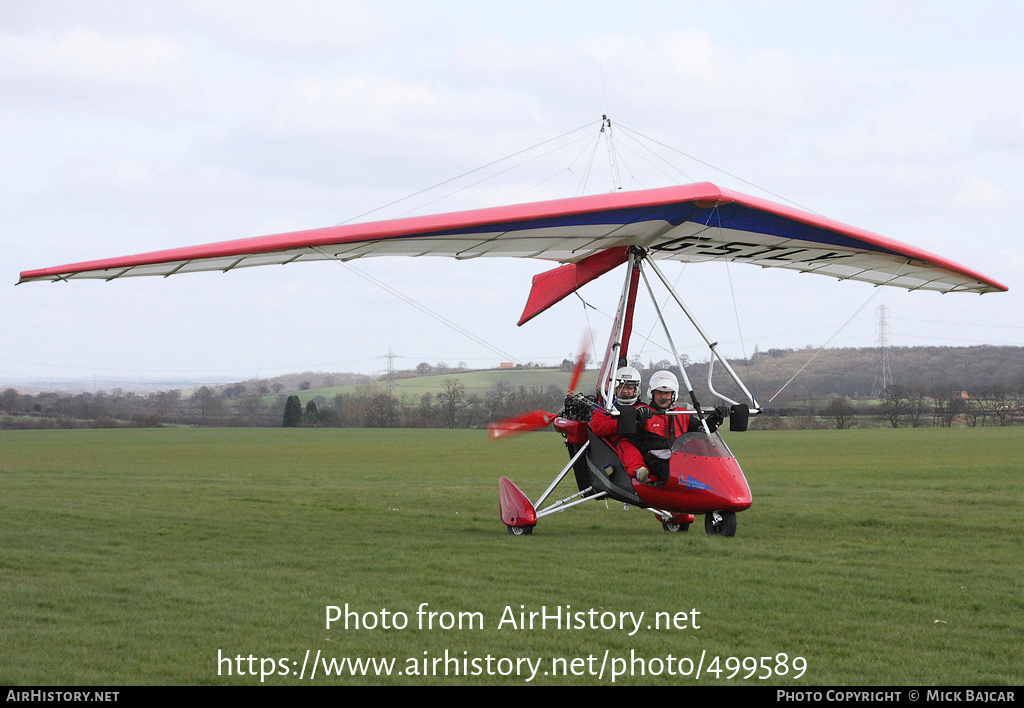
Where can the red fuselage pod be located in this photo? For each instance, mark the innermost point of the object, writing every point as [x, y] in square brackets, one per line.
[703, 477]
[516, 509]
[575, 431]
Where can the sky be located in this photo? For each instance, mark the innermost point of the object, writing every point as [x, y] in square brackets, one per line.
[130, 127]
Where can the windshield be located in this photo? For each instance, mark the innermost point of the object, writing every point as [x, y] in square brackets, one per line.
[701, 444]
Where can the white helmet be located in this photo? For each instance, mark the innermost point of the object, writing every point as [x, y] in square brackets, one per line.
[663, 381]
[628, 375]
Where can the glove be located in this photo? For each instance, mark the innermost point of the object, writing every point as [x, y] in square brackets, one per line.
[716, 418]
[643, 414]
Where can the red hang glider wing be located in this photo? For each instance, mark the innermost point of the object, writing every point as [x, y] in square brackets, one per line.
[692, 223]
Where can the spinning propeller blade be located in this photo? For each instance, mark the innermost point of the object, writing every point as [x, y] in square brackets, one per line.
[580, 362]
[527, 422]
[537, 420]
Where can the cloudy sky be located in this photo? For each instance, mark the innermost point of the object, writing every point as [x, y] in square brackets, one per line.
[137, 126]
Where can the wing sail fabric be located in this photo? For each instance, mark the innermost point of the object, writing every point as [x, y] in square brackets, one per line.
[692, 223]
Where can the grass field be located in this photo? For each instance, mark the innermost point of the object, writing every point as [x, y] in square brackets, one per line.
[879, 557]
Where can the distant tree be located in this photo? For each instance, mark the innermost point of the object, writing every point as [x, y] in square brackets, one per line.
[328, 417]
[339, 408]
[235, 391]
[950, 403]
[423, 368]
[426, 411]
[312, 415]
[292, 412]
[998, 403]
[451, 400]
[839, 412]
[10, 401]
[251, 408]
[917, 406]
[475, 412]
[381, 410]
[499, 400]
[207, 403]
[894, 404]
[974, 411]
[983, 405]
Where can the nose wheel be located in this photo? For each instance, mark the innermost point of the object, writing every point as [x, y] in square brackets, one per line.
[720, 523]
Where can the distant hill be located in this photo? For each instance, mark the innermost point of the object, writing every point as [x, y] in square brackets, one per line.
[990, 378]
[855, 373]
[476, 382]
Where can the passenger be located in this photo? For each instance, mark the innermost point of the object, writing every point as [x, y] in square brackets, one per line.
[657, 430]
[615, 428]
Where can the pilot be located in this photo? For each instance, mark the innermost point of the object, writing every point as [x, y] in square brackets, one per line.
[615, 427]
[657, 429]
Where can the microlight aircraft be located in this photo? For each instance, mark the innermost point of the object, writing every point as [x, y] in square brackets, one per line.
[591, 236]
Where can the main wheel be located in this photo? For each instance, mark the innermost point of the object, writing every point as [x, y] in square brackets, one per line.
[720, 523]
[675, 528]
[520, 530]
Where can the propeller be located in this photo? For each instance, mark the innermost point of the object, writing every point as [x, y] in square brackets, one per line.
[538, 420]
[524, 423]
[580, 365]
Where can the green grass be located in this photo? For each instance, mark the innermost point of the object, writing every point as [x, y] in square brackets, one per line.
[135, 556]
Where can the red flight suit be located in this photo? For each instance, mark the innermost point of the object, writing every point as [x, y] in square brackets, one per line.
[659, 432]
[607, 427]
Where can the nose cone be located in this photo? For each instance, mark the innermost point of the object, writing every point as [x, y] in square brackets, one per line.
[721, 478]
[699, 484]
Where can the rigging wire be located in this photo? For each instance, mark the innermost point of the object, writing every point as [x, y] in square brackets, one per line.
[431, 313]
[639, 140]
[606, 123]
[590, 165]
[819, 351]
[466, 174]
[625, 143]
[423, 308]
[841, 328]
[636, 136]
[650, 332]
[647, 339]
[590, 328]
[633, 179]
[717, 169]
[489, 177]
[732, 289]
[536, 184]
